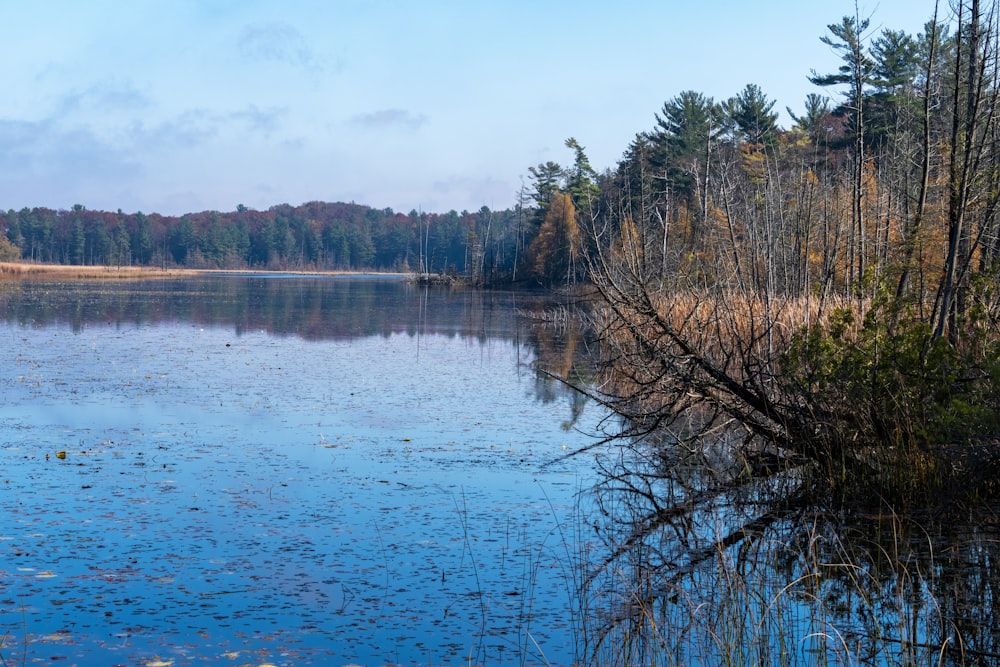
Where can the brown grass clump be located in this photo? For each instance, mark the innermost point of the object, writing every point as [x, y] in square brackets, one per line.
[869, 396]
[23, 271]
[675, 337]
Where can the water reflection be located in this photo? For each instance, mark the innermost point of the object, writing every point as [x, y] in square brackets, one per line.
[313, 308]
[674, 557]
[267, 471]
[695, 565]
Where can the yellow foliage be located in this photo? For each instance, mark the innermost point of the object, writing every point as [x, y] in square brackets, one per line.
[628, 246]
[556, 248]
[754, 162]
[8, 251]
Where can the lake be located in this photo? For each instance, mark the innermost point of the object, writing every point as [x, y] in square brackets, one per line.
[271, 469]
[286, 470]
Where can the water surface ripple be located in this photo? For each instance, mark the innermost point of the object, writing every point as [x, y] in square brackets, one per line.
[181, 486]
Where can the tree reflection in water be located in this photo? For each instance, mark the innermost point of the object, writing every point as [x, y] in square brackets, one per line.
[693, 560]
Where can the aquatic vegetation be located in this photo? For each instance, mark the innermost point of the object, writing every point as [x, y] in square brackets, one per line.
[687, 568]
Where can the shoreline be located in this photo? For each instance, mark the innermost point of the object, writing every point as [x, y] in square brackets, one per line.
[13, 271]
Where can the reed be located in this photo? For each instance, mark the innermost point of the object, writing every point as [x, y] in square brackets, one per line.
[23, 271]
[27, 271]
[860, 389]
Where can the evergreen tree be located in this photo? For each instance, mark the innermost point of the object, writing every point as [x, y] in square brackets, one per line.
[548, 178]
[752, 116]
[893, 106]
[581, 182]
[686, 130]
[811, 122]
[856, 72]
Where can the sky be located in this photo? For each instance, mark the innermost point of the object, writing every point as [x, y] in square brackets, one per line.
[180, 106]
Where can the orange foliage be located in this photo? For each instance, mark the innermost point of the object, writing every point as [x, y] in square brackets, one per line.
[554, 251]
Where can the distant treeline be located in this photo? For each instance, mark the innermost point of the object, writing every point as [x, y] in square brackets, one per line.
[855, 192]
[315, 235]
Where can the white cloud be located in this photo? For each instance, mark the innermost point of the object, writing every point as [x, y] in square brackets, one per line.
[276, 42]
[191, 128]
[105, 97]
[387, 118]
[261, 120]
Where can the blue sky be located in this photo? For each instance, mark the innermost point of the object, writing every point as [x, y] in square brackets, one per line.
[176, 106]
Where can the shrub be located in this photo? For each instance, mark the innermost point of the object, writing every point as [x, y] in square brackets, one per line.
[891, 399]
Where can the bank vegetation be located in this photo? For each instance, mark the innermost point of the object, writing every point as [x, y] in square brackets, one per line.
[823, 299]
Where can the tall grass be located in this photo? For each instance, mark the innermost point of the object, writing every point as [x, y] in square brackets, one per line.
[24, 271]
[862, 389]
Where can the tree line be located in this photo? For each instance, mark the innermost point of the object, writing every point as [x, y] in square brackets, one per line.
[869, 182]
[695, 181]
[826, 292]
[315, 235]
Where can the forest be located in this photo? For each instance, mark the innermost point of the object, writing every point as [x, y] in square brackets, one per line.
[889, 180]
[315, 235]
[856, 187]
[862, 183]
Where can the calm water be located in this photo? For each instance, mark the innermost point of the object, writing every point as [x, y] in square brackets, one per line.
[284, 470]
[251, 470]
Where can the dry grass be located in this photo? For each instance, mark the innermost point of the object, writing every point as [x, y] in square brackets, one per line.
[23, 271]
[742, 318]
[10, 271]
[735, 332]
